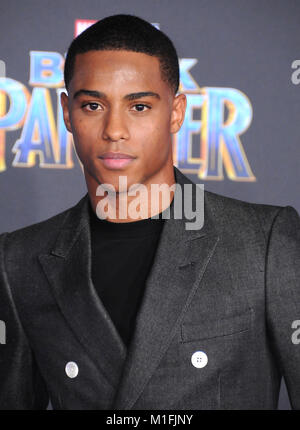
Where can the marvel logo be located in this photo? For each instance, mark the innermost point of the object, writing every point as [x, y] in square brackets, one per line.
[82, 24]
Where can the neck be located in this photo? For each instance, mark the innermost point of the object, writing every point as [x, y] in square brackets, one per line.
[128, 203]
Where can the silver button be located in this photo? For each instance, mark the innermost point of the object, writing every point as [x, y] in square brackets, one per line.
[199, 359]
[71, 369]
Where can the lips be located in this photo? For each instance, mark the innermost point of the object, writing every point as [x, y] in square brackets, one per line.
[116, 160]
[116, 155]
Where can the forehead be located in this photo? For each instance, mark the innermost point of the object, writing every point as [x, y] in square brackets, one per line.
[117, 68]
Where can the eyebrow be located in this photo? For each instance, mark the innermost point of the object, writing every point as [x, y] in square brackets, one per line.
[91, 93]
[132, 96]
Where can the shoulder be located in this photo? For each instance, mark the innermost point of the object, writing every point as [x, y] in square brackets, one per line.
[237, 207]
[239, 214]
[38, 237]
[241, 218]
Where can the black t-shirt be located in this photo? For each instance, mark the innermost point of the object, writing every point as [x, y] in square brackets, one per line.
[122, 256]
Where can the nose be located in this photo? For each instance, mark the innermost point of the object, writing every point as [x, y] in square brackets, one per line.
[115, 127]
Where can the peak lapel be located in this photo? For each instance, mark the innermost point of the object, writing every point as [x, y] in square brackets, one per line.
[67, 268]
[180, 262]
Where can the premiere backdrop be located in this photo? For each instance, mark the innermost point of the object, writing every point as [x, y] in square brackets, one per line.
[240, 68]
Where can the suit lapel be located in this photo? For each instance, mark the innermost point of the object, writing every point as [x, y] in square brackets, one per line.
[67, 268]
[180, 262]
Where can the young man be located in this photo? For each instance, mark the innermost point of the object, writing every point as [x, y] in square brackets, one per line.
[142, 312]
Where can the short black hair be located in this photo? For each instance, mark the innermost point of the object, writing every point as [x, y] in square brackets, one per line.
[129, 33]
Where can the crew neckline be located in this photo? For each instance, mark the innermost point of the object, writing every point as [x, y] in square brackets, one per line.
[143, 227]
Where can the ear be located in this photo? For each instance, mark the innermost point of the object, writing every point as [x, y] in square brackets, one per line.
[64, 100]
[178, 113]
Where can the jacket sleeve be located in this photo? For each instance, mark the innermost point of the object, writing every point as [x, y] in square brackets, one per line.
[21, 385]
[283, 297]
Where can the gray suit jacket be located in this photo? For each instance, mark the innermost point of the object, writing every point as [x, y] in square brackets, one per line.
[230, 290]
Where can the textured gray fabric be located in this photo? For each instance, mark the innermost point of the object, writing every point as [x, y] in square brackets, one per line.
[231, 290]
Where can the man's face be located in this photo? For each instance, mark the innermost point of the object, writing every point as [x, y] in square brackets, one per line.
[119, 103]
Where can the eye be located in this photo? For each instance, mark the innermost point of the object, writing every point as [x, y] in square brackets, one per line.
[141, 107]
[91, 106]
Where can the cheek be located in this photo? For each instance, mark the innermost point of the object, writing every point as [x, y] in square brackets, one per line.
[154, 149]
[84, 134]
[83, 146]
[151, 131]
